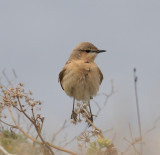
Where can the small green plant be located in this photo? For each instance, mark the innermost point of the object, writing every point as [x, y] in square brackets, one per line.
[17, 143]
[102, 146]
[10, 140]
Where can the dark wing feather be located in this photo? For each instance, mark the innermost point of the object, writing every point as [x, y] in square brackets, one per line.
[101, 75]
[61, 75]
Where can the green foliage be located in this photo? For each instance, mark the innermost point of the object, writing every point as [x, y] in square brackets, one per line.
[11, 141]
[17, 143]
[100, 146]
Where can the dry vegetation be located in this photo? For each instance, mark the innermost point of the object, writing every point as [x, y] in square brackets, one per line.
[21, 126]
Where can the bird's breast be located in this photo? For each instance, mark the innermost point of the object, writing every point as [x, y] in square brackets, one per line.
[81, 80]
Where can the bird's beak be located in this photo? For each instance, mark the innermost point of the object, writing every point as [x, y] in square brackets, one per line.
[101, 51]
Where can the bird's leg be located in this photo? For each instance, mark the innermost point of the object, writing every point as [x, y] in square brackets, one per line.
[91, 116]
[73, 115]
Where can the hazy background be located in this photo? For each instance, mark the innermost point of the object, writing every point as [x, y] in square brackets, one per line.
[37, 37]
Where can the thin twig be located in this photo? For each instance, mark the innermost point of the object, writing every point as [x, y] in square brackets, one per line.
[134, 141]
[6, 77]
[13, 126]
[107, 96]
[23, 110]
[62, 128]
[69, 142]
[138, 110]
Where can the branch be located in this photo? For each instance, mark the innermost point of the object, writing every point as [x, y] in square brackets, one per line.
[91, 123]
[35, 140]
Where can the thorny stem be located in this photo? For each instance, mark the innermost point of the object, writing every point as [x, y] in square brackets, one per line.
[138, 110]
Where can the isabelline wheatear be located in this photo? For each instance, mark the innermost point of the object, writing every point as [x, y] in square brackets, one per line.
[80, 78]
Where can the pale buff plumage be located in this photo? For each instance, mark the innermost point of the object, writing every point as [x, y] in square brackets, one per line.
[80, 78]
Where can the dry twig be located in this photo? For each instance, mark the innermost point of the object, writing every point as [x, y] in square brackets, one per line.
[138, 110]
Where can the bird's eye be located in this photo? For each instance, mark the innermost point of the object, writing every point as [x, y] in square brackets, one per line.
[88, 51]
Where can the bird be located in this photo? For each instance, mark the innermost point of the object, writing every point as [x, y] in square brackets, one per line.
[80, 78]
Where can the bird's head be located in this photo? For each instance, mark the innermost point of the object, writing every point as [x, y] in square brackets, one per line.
[86, 51]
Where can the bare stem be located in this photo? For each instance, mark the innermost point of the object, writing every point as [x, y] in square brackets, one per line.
[13, 126]
[138, 110]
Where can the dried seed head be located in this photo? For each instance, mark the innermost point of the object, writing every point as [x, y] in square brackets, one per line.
[11, 89]
[21, 84]
[14, 103]
[30, 92]
[87, 140]
[79, 138]
[38, 115]
[32, 103]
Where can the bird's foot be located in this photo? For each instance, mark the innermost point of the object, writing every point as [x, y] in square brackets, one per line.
[74, 116]
[91, 119]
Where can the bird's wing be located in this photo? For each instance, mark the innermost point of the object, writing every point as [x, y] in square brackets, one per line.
[61, 75]
[101, 75]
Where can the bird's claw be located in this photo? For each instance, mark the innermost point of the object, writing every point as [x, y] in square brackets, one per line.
[74, 116]
[91, 119]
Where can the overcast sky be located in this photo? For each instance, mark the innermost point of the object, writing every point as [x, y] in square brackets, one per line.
[37, 37]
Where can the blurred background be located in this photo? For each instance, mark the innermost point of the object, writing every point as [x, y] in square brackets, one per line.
[37, 37]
